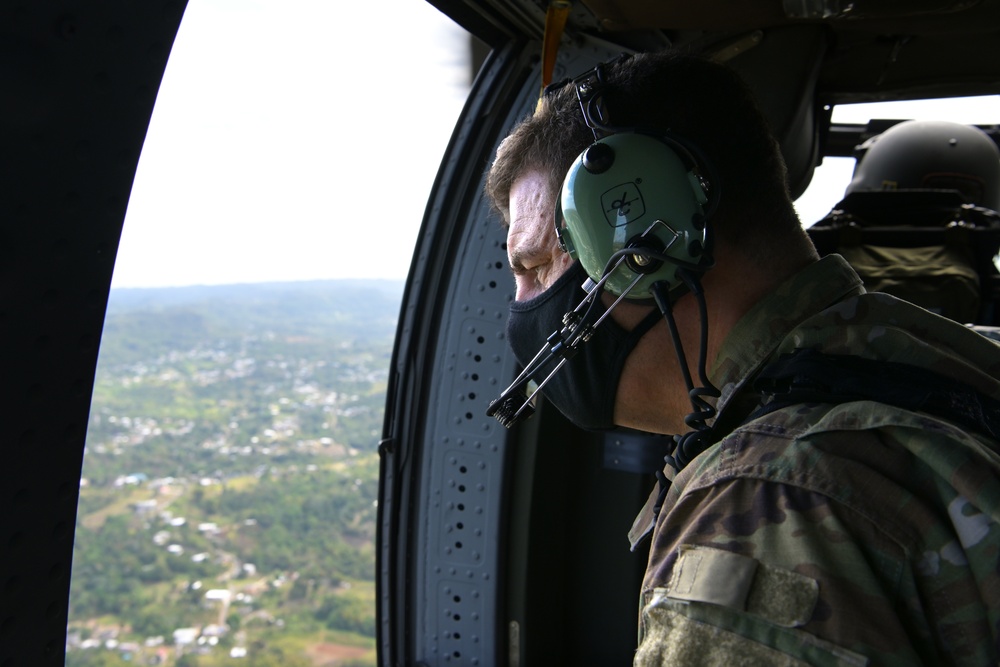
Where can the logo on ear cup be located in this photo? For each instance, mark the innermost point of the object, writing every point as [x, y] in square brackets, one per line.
[650, 189]
[623, 204]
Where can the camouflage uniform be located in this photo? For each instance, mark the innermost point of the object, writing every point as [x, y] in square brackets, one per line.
[831, 534]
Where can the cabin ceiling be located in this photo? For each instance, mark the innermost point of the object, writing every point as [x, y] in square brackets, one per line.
[878, 49]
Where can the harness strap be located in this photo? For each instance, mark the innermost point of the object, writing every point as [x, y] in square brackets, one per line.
[809, 376]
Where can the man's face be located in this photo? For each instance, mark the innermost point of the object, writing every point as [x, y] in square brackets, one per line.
[532, 248]
[537, 262]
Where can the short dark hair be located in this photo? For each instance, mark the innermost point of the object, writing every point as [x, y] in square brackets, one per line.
[703, 103]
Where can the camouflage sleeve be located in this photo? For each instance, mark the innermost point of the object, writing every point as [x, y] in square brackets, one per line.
[752, 572]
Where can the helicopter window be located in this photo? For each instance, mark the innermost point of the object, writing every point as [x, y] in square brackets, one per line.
[280, 164]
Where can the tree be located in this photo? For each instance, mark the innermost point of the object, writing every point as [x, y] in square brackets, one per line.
[187, 660]
[95, 658]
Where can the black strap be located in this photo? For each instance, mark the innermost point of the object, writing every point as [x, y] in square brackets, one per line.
[809, 376]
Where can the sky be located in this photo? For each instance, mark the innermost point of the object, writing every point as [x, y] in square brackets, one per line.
[293, 140]
[298, 140]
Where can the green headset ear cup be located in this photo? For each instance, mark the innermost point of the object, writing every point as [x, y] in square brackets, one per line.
[648, 184]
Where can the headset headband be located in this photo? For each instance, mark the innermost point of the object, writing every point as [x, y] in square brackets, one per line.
[590, 88]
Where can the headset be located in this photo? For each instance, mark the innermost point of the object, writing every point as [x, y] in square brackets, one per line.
[634, 204]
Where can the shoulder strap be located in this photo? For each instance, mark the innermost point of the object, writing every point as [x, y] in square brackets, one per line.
[809, 376]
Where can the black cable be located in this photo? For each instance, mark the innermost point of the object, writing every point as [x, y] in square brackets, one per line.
[662, 297]
[693, 284]
[699, 438]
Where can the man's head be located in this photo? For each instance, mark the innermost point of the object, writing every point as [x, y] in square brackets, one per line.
[703, 103]
[628, 374]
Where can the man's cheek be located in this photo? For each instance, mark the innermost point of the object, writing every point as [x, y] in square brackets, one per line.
[559, 266]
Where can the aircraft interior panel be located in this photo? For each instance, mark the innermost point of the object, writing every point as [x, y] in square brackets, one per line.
[79, 81]
[445, 485]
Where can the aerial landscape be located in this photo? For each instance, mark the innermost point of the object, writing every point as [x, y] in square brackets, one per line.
[227, 509]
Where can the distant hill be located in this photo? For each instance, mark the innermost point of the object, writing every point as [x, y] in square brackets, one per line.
[143, 323]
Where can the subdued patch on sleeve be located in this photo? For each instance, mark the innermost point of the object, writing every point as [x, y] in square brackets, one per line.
[674, 639]
[710, 575]
[684, 634]
[715, 576]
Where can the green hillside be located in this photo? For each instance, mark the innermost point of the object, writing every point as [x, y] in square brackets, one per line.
[227, 511]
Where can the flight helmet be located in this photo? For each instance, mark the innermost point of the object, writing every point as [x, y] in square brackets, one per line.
[931, 155]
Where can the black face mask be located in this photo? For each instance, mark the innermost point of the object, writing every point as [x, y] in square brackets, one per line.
[584, 389]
